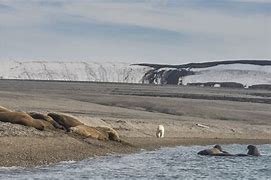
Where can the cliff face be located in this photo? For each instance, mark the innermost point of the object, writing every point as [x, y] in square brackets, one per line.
[73, 71]
[241, 73]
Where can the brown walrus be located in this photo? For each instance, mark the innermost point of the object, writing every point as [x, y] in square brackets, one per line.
[87, 131]
[252, 151]
[216, 150]
[21, 118]
[67, 121]
[46, 124]
[110, 133]
[46, 118]
[3, 109]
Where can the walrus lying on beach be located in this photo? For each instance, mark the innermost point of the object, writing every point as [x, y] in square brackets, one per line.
[87, 131]
[46, 118]
[21, 118]
[67, 121]
[46, 124]
[110, 133]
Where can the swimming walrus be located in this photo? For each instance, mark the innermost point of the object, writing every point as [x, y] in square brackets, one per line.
[87, 131]
[21, 118]
[44, 117]
[110, 133]
[65, 120]
[216, 150]
[252, 151]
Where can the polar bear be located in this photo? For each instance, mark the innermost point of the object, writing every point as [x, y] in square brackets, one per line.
[160, 131]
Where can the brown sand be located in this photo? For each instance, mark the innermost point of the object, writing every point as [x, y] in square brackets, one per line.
[187, 121]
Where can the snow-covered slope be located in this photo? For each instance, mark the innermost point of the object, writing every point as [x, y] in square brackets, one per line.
[73, 71]
[245, 74]
[242, 73]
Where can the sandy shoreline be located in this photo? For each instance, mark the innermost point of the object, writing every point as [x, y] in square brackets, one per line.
[134, 117]
[36, 151]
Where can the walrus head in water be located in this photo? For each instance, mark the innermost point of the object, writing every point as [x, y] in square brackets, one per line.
[253, 150]
[220, 149]
[213, 151]
[217, 146]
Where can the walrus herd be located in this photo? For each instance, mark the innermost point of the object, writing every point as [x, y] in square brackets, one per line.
[217, 151]
[61, 121]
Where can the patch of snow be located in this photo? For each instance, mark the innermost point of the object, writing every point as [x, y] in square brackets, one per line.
[217, 85]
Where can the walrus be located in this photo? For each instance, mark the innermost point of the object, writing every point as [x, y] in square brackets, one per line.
[67, 121]
[87, 131]
[46, 124]
[3, 109]
[222, 152]
[110, 133]
[216, 150]
[220, 149]
[252, 151]
[21, 118]
[44, 117]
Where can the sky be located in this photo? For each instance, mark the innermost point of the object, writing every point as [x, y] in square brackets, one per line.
[135, 31]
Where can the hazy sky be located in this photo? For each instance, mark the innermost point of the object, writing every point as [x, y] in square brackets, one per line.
[157, 31]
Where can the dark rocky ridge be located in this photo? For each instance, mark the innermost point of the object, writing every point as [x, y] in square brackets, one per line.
[221, 84]
[209, 64]
[165, 76]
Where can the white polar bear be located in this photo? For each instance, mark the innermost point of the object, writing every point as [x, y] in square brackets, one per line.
[160, 131]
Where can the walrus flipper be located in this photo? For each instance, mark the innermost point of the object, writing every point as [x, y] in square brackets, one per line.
[242, 155]
[223, 154]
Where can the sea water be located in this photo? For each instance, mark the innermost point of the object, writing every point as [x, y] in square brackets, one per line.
[167, 163]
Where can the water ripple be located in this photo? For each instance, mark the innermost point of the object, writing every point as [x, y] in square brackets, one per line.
[166, 163]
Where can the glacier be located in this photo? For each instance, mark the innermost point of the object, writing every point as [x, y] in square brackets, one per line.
[244, 73]
[72, 71]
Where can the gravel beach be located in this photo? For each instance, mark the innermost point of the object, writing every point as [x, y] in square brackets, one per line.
[190, 115]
